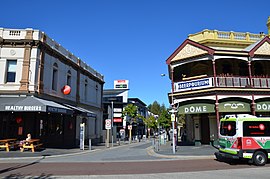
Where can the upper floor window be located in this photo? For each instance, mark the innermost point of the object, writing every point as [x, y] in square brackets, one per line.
[69, 78]
[11, 70]
[54, 76]
[85, 89]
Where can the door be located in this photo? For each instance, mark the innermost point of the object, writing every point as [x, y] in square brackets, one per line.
[205, 131]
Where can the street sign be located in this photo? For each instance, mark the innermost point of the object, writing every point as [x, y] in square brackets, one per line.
[108, 124]
[129, 127]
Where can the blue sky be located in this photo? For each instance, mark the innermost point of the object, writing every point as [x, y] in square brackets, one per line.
[131, 39]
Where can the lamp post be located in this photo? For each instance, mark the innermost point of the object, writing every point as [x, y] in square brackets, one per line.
[112, 123]
[173, 111]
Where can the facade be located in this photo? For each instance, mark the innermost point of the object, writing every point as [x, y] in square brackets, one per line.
[215, 73]
[117, 99]
[34, 73]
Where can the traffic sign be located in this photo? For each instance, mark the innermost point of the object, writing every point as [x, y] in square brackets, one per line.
[108, 124]
[172, 117]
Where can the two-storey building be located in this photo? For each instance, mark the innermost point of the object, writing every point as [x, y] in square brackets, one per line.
[47, 91]
[214, 73]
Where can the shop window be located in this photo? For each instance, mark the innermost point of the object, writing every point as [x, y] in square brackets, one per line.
[54, 77]
[11, 70]
[55, 125]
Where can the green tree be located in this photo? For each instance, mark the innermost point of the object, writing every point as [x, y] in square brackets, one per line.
[131, 111]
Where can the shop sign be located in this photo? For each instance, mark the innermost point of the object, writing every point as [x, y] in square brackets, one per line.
[263, 106]
[193, 84]
[197, 108]
[56, 110]
[234, 106]
[23, 108]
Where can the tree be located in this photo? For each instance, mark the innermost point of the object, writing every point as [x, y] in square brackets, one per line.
[131, 111]
[163, 114]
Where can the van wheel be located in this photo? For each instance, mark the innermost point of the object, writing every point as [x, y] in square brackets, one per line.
[259, 158]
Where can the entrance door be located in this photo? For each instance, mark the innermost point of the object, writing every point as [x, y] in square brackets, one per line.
[205, 131]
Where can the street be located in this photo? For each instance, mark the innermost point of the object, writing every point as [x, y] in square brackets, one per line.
[125, 161]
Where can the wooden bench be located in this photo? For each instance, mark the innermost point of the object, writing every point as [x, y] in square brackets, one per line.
[31, 144]
[8, 144]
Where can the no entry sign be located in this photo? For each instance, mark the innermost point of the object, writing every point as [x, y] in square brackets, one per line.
[108, 124]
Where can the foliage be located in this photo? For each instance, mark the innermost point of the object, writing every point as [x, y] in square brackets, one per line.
[131, 111]
[164, 119]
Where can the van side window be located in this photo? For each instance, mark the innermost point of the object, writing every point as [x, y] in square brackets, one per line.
[256, 128]
[228, 128]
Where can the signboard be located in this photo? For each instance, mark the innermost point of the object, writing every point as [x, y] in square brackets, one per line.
[172, 117]
[117, 119]
[193, 84]
[120, 84]
[117, 110]
[82, 135]
[129, 127]
[197, 108]
[234, 106]
[263, 106]
[108, 124]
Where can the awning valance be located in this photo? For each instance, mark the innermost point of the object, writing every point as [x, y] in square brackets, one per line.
[82, 111]
[32, 104]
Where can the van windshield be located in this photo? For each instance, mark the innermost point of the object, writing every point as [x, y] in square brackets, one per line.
[228, 128]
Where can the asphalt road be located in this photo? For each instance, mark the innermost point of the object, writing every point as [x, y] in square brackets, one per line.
[132, 161]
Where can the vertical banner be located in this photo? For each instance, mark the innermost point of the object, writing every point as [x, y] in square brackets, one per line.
[82, 129]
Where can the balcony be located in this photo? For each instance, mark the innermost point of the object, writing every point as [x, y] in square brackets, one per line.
[258, 82]
[224, 82]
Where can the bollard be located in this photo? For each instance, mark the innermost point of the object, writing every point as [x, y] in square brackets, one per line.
[90, 144]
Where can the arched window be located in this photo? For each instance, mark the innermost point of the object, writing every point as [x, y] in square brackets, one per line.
[55, 77]
[69, 78]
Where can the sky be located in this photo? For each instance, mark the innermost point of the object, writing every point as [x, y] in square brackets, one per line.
[132, 39]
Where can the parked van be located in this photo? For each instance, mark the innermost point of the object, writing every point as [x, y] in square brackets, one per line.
[244, 136]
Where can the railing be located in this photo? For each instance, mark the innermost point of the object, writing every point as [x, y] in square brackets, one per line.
[243, 82]
[233, 82]
[226, 35]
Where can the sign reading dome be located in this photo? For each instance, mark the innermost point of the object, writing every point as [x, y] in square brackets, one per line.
[120, 84]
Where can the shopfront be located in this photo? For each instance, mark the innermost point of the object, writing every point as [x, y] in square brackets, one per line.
[49, 121]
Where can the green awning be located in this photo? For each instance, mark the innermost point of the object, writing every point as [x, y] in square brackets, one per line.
[197, 108]
[234, 106]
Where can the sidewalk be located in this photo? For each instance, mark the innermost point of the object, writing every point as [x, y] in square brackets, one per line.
[184, 151]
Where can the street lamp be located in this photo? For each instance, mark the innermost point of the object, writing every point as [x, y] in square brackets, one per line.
[173, 111]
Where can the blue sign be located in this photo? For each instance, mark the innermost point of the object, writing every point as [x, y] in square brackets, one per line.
[193, 84]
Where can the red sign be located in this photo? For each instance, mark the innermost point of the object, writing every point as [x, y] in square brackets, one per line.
[117, 119]
[66, 90]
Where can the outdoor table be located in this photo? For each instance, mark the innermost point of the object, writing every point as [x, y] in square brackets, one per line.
[31, 144]
[8, 143]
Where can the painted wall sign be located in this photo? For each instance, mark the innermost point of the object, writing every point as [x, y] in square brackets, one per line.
[234, 106]
[193, 84]
[197, 108]
[263, 106]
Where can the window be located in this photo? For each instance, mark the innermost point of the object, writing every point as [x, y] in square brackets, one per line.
[228, 128]
[256, 128]
[11, 70]
[85, 89]
[69, 78]
[54, 76]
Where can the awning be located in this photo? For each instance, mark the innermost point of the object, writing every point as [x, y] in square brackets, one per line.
[32, 104]
[82, 111]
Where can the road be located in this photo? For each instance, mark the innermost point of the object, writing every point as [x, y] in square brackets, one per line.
[129, 161]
